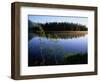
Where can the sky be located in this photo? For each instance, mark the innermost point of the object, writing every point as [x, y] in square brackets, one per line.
[47, 19]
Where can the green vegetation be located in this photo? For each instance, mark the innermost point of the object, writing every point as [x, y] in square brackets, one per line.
[56, 26]
[56, 30]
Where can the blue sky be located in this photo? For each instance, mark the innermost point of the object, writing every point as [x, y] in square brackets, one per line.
[46, 19]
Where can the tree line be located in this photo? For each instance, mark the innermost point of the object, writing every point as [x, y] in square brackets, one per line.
[57, 26]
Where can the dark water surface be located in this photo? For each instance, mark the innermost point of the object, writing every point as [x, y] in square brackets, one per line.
[50, 51]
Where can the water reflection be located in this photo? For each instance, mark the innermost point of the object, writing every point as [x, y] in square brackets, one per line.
[57, 48]
[59, 35]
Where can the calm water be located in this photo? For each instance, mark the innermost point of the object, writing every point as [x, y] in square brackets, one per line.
[53, 50]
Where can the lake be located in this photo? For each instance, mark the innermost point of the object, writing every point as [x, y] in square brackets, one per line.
[57, 48]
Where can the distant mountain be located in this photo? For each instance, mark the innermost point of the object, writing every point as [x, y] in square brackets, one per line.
[32, 24]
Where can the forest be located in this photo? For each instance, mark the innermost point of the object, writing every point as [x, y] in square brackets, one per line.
[56, 26]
